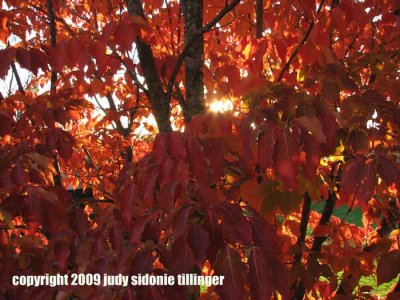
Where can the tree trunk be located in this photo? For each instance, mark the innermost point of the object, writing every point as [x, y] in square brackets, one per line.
[259, 18]
[158, 98]
[194, 60]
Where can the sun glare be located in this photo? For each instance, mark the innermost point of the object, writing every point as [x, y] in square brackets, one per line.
[221, 106]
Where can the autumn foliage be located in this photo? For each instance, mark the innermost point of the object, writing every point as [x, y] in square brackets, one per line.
[112, 161]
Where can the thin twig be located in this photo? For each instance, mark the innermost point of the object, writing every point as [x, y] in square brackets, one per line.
[171, 35]
[303, 41]
[305, 216]
[188, 45]
[17, 78]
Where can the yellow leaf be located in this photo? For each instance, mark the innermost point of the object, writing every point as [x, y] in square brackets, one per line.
[301, 76]
[395, 233]
[6, 217]
[247, 50]
[44, 162]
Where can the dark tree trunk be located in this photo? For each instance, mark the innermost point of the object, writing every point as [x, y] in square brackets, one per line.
[158, 98]
[194, 60]
[259, 18]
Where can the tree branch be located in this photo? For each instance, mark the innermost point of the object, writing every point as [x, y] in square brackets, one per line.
[300, 290]
[17, 78]
[259, 18]
[159, 102]
[120, 128]
[305, 216]
[194, 60]
[53, 39]
[53, 78]
[303, 41]
[132, 73]
[325, 218]
[188, 45]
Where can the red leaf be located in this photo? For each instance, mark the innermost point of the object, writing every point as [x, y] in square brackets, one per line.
[6, 58]
[266, 146]
[51, 139]
[180, 221]
[313, 155]
[182, 255]
[76, 53]
[209, 196]
[125, 35]
[313, 125]
[98, 51]
[152, 231]
[168, 194]
[349, 176]
[230, 265]
[339, 19]
[138, 227]
[180, 172]
[359, 142]
[388, 266]
[309, 53]
[49, 216]
[107, 31]
[321, 230]
[98, 247]
[128, 294]
[116, 238]
[176, 145]
[388, 171]
[359, 177]
[167, 66]
[65, 142]
[127, 198]
[330, 127]
[160, 147]
[264, 237]
[264, 234]
[281, 49]
[32, 209]
[330, 91]
[23, 57]
[142, 263]
[61, 116]
[152, 292]
[5, 124]
[248, 136]
[18, 175]
[198, 240]
[210, 125]
[234, 225]
[149, 187]
[349, 83]
[61, 253]
[197, 163]
[367, 181]
[39, 60]
[284, 159]
[231, 72]
[78, 221]
[58, 56]
[166, 168]
[260, 276]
